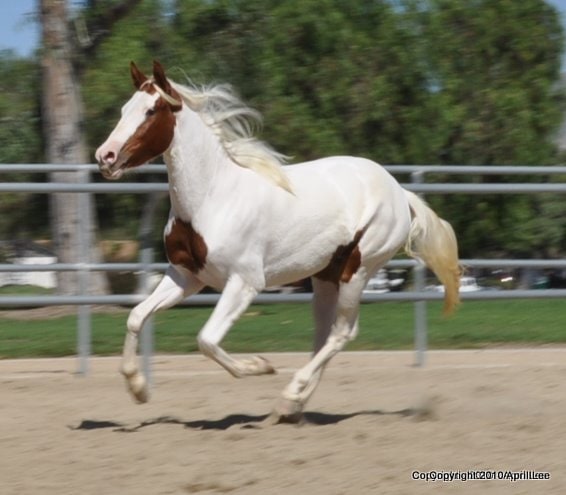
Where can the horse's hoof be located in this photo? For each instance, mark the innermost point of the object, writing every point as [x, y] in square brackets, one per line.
[287, 411]
[264, 366]
[256, 365]
[138, 388]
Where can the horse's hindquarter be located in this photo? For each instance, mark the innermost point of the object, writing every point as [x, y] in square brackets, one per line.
[336, 200]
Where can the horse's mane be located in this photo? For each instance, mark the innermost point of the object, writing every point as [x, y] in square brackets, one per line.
[234, 123]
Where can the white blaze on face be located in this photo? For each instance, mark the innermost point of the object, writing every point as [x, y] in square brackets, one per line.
[133, 114]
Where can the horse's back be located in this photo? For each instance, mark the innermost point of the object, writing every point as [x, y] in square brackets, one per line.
[343, 173]
[353, 184]
[337, 165]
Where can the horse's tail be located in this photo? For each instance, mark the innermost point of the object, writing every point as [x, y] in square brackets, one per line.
[432, 239]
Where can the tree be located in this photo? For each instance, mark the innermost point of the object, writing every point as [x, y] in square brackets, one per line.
[331, 77]
[63, 126]
[494, 68]
[62, 123]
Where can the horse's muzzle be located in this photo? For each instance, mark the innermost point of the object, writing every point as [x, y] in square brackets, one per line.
[112, 161]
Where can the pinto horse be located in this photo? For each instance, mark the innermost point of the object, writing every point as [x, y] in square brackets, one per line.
[241, 222]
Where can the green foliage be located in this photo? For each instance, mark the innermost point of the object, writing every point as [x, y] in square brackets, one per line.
[20, 142]
[408, 81]
[19, 113]
[495, 66]
[331, 77]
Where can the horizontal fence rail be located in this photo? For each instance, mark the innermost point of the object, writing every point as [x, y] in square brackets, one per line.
[161, 267]
[300, 297]
[145, 188]
[394, 169]
[553, 183]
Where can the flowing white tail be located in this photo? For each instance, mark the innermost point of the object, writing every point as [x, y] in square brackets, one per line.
[432, 240]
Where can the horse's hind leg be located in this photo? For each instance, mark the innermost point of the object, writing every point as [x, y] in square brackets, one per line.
[343, 330]
[324, 301]
[174, 287]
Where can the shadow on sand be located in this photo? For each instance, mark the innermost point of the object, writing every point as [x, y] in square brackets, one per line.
[244, 421]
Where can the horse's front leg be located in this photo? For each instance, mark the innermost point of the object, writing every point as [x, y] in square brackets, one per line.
[173, 288]
[236, 297]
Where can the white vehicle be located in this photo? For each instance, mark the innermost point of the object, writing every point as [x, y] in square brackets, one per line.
[467, 284]
[380, 283]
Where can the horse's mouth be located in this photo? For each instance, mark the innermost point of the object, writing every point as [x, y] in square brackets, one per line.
[114, 171]
[112, 175]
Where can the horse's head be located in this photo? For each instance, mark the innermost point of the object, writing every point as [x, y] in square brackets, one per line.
[146, 127]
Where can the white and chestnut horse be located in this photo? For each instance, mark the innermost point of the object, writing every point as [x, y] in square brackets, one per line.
[241, 222]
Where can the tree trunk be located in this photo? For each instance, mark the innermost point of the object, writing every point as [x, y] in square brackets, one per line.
[63, 130]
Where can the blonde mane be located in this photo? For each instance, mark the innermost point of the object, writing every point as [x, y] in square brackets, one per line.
[234, 123]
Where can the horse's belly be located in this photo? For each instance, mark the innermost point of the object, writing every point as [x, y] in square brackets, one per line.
[302, 256]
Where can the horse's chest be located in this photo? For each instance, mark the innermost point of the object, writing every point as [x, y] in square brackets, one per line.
[185, 246]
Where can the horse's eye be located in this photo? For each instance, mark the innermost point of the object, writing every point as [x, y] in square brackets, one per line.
[150, 112]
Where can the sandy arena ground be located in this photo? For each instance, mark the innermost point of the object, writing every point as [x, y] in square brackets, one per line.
[374, 423]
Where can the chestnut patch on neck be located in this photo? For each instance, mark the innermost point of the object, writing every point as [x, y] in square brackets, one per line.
[185, 246]
[344, 263]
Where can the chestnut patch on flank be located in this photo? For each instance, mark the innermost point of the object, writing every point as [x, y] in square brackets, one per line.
[185, 246]
[344, 262]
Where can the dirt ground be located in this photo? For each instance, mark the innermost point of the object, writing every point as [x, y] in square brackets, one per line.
[375, 423]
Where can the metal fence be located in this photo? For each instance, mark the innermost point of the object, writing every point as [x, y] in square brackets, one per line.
[146, 265]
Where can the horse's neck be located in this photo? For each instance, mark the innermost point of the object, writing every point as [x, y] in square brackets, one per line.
[196, 160]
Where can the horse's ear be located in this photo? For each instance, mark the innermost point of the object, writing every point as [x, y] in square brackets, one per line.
[138, 77]
[164, 87]
[160, 78]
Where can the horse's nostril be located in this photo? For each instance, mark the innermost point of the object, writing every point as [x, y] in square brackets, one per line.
[109, 157]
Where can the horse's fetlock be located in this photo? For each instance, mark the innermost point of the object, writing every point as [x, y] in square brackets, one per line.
[205, 346]
[302, 379]
[129, 370]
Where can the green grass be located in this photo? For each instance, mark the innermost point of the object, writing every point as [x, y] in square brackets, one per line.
[24, 290]
[289, 327]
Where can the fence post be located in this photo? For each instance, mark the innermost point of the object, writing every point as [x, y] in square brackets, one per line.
[146, 258]
[420, 315]
[84, 323]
